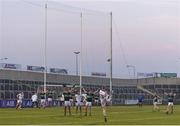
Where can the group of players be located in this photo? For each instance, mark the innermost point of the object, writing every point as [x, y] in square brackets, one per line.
[82, 100]
[170, 106]
[85, 98]
[35, 102]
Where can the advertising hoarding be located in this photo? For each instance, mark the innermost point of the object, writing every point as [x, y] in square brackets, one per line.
[59, 71]
[98, 74]
[10, 66]
[35, 68]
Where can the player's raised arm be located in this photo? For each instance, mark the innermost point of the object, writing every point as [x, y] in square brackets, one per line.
[84, 90]
[97, 91]
[165, 93]
[17, 95]
[71, 89]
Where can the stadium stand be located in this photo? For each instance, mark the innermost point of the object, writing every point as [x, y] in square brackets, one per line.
[13, 81]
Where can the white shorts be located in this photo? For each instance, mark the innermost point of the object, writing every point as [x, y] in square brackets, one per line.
[155, 103]
[96, 101]
[67, 103]
[43, 101]
[89, 104]
[170, 104]
[49, 99]
[103, 103]
[79, 103]
[19, 101]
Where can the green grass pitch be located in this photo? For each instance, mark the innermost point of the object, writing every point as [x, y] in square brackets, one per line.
[121, 115]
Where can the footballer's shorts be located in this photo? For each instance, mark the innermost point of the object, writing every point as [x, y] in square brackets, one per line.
[89, 104]
[67, 103]
[79, 103]
[155, 103]
[49, 99]
[96, 101]
[170, 104]
[103, 103]
[19, 101]
[43, 101]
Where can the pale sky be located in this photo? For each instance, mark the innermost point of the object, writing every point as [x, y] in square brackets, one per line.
[146, 34]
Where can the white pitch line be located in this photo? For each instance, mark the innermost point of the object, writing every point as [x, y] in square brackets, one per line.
[143, 119]
[131, 112]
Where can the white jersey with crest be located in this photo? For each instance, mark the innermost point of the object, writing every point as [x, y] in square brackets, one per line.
[78, 97]
[103, 97]
[20, 97]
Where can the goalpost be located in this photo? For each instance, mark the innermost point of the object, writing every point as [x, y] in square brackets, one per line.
[82, 50]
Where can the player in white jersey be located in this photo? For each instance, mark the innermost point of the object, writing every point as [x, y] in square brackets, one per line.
[20, 97]
[79, 100]
[84, 96]
[34, 99]
[104, 99]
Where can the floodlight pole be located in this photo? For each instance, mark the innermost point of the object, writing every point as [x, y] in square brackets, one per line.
[45, 50]
[80, 90]
[111, 54]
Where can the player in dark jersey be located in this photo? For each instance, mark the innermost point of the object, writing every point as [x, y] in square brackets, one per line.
[43, 100]
[96, 100]
[170, 107]
[67, 103]
[89, 99]
[155, 102]
[140, 100]
[50, 98]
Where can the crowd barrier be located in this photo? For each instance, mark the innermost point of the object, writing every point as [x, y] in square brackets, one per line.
[25, 104]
